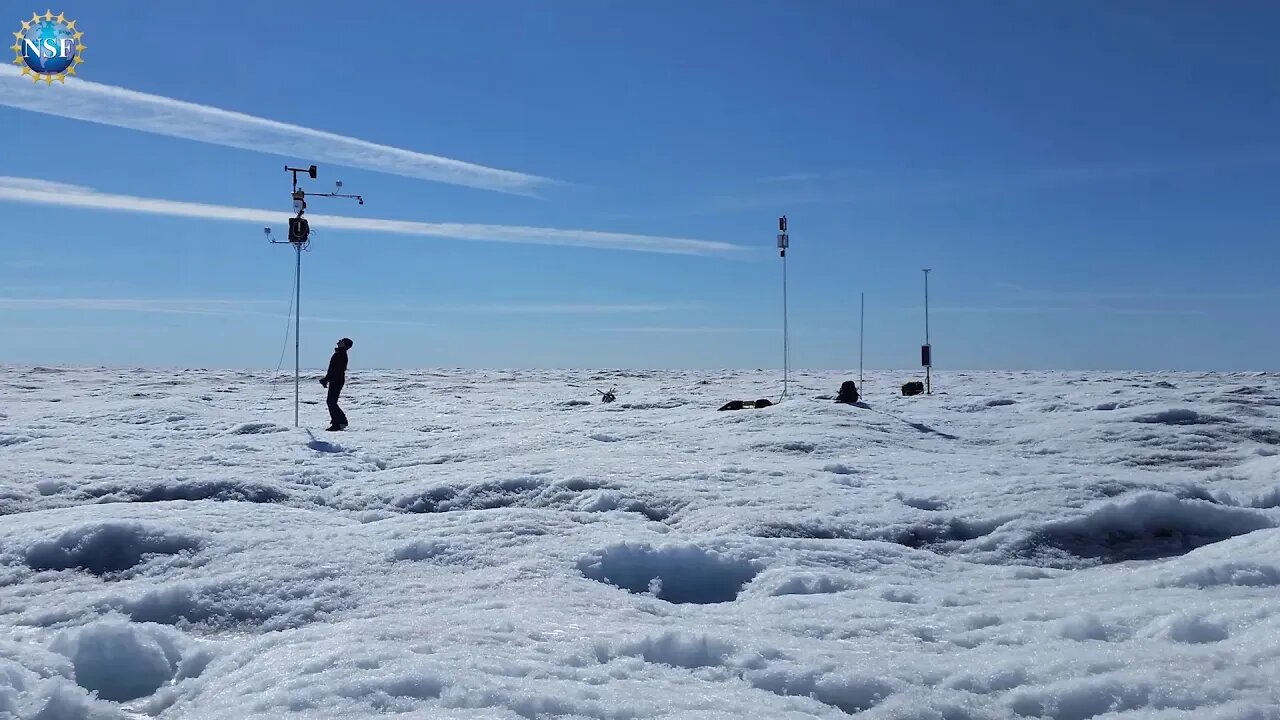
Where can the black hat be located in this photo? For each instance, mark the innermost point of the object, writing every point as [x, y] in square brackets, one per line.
[347, 342]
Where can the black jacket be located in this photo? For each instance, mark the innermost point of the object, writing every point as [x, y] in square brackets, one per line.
[337, 367]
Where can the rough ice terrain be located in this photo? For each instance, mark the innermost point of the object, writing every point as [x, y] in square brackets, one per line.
[503, 545]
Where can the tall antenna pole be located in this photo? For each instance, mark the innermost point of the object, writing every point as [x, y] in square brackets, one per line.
[786, 335]
[784, 241]
[862, 321]
[300, 239]
[926, 356]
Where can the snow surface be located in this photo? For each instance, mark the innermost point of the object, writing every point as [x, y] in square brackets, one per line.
[503, 545]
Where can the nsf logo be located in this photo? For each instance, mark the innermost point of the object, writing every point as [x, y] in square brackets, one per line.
[48, 46]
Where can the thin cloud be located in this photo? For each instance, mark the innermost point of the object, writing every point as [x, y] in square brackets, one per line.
[691, 329]
[1053, 310]
[124, 108]
[183, 306]
[364, 321]
[846, 185]
[24, 192]
[1014, 299]
[56, 329]
[23, 264]
[1101, 295]
[216, 307]
[435, 310]
[808, 176]
[36, 184]
[174, 306]
[565, 309]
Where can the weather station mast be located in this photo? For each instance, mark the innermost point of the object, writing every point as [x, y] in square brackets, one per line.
[784, 242]
[300, 239]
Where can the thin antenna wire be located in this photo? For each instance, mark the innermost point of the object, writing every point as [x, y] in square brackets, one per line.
[288, 328]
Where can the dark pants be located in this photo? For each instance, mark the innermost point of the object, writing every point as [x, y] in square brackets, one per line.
[338, 417]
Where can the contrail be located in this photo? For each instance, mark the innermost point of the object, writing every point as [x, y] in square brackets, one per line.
[41, 192]
[121, 107]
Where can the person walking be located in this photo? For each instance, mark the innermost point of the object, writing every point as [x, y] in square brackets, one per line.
[334, 379]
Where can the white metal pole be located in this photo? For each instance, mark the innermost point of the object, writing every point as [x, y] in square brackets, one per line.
[926, 307]
[862, 321]
[928, 370]
[786, 350]
[297, 331]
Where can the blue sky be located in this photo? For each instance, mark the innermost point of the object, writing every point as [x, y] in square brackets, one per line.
[1092, 183]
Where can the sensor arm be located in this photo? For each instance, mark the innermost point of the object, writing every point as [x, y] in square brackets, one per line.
[337, 195]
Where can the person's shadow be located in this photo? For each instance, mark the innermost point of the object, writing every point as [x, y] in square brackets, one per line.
[323, 445]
